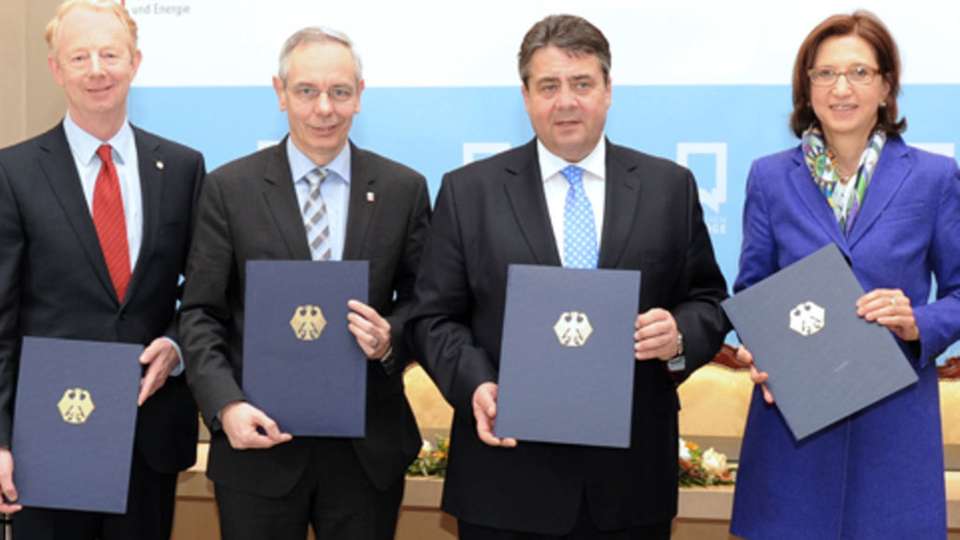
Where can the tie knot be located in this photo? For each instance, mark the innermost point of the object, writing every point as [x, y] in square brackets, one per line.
[316, 176]
[106, 153]
[573, 174]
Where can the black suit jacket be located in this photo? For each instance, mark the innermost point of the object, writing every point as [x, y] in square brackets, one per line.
[54, 281]
[249, 211]
[493, 213]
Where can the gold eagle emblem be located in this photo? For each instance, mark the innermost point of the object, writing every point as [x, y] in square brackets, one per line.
[76, 405]
[308, 322]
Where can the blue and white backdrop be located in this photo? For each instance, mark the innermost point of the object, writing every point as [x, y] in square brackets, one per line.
[704, 83]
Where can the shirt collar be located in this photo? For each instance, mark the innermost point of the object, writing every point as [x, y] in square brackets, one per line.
[84, 145]
[300, 164]
[595, 162]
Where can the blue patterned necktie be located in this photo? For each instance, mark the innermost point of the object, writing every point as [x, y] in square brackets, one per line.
[579, 230]
[315, 217]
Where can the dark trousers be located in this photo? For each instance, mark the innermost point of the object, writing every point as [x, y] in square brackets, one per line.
[584, 529]
[149, 516]
[334, 496]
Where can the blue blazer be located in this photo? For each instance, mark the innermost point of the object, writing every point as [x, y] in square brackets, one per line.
[879, 473]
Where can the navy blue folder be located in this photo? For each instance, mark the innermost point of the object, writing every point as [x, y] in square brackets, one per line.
[74, 422]
[566, 359]
[825, 362]
[301, 365]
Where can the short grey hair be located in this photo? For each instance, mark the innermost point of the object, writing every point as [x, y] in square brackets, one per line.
[316, 34]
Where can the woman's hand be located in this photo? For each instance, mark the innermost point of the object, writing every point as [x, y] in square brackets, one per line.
[745, 359]
[891, 309]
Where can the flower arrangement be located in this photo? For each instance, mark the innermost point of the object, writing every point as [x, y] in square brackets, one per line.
[703, 467]
[696, 467]
[432, 459]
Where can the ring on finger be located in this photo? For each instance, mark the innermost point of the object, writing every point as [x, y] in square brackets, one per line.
[893, 301]
[374, 342]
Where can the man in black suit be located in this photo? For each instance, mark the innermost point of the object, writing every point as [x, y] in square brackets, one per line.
[568, 197]
[265, 206]
[95, 221]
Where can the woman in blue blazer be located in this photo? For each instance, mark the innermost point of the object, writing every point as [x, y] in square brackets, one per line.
[894, 211]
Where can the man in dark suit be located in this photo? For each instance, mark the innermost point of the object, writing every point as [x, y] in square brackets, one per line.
[95, 220]
[313, 196]
[568, 197]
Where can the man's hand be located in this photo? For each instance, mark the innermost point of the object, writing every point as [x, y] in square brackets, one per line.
[655, 336]
[891, 309]
[485, 413]
[371, 330]
[8, 504]
[745, 359]
[243, 423]
[160, 358]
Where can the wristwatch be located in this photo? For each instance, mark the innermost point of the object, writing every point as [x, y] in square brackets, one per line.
[387, 361]
[678, 362]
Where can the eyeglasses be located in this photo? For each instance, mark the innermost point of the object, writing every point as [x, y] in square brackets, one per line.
[338, 93]
[828, 76]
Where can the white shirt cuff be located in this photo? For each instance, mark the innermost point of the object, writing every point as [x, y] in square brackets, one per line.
[178, 369]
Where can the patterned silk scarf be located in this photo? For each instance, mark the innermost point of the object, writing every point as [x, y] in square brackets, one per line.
[845, 200]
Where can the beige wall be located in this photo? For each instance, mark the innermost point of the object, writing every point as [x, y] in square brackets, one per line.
[29, 100]
[13, 58]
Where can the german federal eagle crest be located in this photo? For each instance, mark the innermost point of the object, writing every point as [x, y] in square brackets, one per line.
[76, 405]
[308, 322]
[807, 319]
[573, 329]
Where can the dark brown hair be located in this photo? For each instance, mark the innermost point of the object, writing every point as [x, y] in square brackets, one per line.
[868, 27]
[569, 33]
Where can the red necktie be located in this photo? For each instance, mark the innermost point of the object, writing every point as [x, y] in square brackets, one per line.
[110, 222]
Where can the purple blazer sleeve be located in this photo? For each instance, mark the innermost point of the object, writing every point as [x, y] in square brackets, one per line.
[939, 321]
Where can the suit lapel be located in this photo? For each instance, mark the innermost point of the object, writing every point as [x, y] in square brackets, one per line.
[622, 194]
[890, 172]
[809, 194]
[61, 173]
[360, 210]
[280, 197]
[523, 183]
[149, 160]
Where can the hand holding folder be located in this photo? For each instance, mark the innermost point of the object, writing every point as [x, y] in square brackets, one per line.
[8, 505]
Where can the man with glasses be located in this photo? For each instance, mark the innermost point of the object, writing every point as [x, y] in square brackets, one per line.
[95, 221]
[269, 484]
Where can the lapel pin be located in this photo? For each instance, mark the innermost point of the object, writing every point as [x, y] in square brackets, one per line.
[159, 165]
[371, 197]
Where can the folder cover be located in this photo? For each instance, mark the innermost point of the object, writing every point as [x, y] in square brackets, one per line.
[825, 362]
[566, 359]
[74, 422]
[301, 365]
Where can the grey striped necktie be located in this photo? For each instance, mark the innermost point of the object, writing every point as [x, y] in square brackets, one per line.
[315, 217]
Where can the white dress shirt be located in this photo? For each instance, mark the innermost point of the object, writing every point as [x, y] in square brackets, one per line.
[555, 187]
[84, 147]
